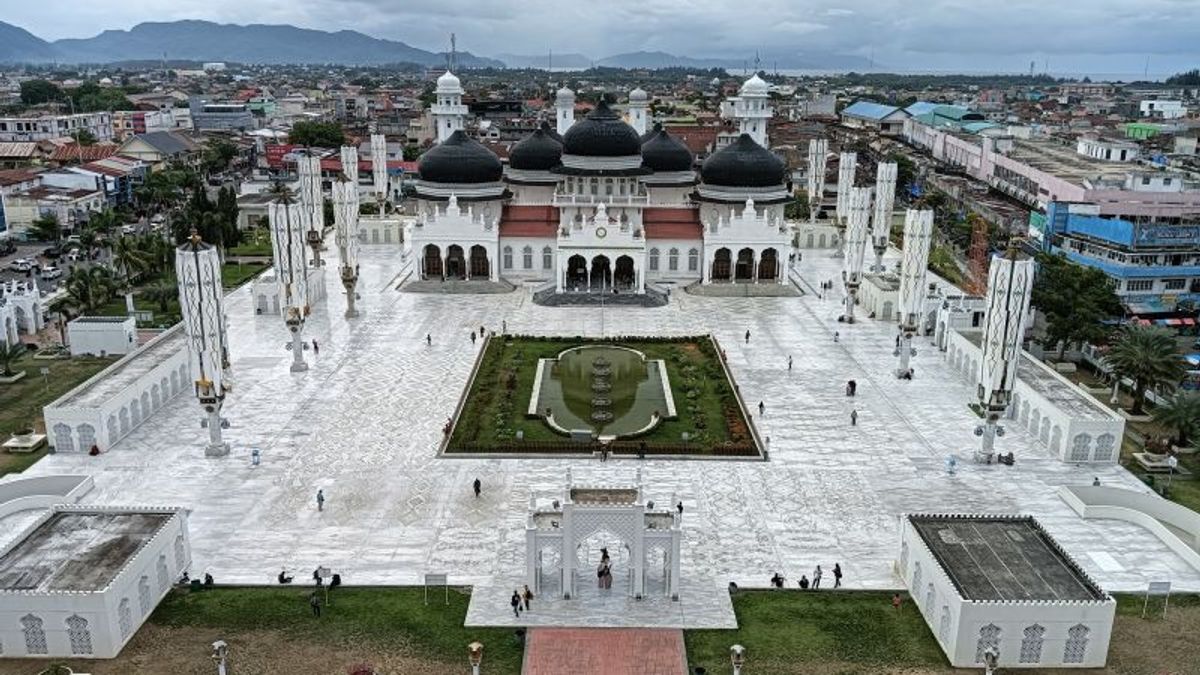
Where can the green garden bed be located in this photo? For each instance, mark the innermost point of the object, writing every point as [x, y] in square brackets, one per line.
[706, 405]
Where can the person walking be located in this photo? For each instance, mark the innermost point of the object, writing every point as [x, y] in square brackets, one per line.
[816, 579]
[316, 348]
[320, 500]
[747, 337]
[789, 363]
[527, 595]
[679, 508]
[503, 327]
[478, 487]
[835, 336]
[837, 575]
[762, 408]
[472, 338]
[482, 331]
[314, 601]
[853, 418]
[896, 601]
[428, 340]
[515, 601]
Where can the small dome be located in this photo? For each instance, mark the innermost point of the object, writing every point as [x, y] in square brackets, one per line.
[755, 85]
[459, 159]
[448, 82]
[743, 163]
[564, 93]
[664, 152]
[536, 152]
[601, 134]
[638, 95]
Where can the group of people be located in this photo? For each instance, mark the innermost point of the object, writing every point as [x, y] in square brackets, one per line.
[604, 570]
[778, 580]
[520, 600]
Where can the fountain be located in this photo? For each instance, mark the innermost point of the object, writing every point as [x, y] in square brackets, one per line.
[605, 389]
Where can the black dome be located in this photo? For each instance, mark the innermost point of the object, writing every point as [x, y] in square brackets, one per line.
[460, 159]
[601, 134]
[664, 152]
[743, 163]
[536, 152]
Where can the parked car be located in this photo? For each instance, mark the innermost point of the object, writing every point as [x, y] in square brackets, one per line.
[20, 265]
[74, 254]
[51, 272]
[53, 253]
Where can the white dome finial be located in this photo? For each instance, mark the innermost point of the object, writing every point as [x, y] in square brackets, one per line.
[449, 83]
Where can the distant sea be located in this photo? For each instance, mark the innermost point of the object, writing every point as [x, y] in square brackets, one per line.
[804, 72]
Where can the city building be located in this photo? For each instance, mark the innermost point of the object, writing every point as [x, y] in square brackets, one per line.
[214, 116]
[1161, 109]
[45, 127]
[885, 119]
[127, 123]
[159, 147]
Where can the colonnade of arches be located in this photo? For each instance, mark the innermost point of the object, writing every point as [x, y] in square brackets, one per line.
[746, 265]
[456, 262]
[140, 406]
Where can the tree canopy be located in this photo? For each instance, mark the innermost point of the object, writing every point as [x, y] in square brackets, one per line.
[317, 134]
[36, 92]
[1074, 299]
[1146, 355]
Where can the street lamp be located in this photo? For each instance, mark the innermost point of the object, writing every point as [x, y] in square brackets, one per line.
[737, 656]
[475, 655]
[220, 652]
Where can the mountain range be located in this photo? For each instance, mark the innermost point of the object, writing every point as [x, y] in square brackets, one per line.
[259, 43]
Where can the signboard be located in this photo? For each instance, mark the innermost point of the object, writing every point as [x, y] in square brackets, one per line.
[275, 154]
[1158, 589]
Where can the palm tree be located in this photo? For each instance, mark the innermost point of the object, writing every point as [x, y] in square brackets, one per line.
[1146, 355]
[9, 355]
[87, 290]
[46, 228]
[129, 258]
[162, 293]
[103, 222]
[1181, 414]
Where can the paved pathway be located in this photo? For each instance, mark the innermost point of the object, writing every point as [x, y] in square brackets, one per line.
[604, 651]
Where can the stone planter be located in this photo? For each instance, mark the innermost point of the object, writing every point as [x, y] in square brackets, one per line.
[1133, 418]
[15, 377]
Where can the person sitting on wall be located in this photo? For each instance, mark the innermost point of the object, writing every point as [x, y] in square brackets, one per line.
[208, 580]
[283, 577]
[185, 579]
[777, 580]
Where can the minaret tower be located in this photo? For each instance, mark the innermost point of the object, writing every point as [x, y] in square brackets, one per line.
[1010, 283]
[564, 106]
[918, 228]
[449, 113]
[202, 304]
[751, 108]
[638, 108]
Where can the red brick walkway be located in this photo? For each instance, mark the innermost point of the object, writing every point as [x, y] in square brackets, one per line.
[604, 651]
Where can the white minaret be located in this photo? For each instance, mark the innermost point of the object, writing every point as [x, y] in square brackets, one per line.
[345, 224]
[350, 163]
[312, 202]
[881, 220]
[818, 148]
[1010, 283]
[639, 104]
[752, 109]
[449, 113]
[202, 304]
[847, 164]
[856, 245]
[379, 176]
[291, 269]
[918, 229]
[564, 106]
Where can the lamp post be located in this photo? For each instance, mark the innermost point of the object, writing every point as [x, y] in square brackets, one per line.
[881, 222]
[1010, 283]
[287, 239]
[737, 657]
[858, 206]
[475, 656]
[220, 656]
[918, 228]
[345, 223]
[201, 302]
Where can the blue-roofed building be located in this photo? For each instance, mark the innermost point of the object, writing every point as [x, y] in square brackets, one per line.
[920, 108]
[886, 119]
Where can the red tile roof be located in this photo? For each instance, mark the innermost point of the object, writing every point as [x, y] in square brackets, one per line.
[87, 153]
[699, 139]
[529, 221]
[672, 223]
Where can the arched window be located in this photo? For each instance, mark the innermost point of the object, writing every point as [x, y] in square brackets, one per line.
[1104, 448]
[125, 618]
[944, 625]
[653, 260]
[1077, 641]
[547, 258]
[1079, 447]
[508, 257]
[164, 581]
[929, 600]
[527, 257]
[989, 638]
[79, 635]
[1031, 644]
[693, 260]
[35, 635]
[144, 599]
[673, 260]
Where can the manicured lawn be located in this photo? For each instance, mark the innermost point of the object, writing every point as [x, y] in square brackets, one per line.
[786, 631]
[21, 403]
[236, 274]
[254, 242]
[499, 399]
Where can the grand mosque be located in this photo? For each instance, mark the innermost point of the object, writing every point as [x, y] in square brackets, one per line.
[602, 204]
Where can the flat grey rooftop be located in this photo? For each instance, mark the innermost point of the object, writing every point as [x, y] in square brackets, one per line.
[1073, 401]
[125, 372]
[74, 551]
[1003, 558]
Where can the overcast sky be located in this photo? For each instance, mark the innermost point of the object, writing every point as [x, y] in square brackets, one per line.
[1072, 36]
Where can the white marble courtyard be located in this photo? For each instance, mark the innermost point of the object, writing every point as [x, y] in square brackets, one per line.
[364, 423]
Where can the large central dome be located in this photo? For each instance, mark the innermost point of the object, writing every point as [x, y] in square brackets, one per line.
[601, 134]
[460, 159]
[538, 151]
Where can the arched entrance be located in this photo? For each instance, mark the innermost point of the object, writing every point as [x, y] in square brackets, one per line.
[768, 266]
[433, 262]
[576, 272]
[601, 277]
[744, 270]
[721, 265]
[456, 264]
[589, 554]
[623, 276]
[479, 262]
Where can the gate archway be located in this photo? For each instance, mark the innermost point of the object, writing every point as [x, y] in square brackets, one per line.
[479, 262]
[433, 262]
[768, 266]
[624, 275]
[456, 263]
[601, 277]
[744, 270]
[576, 272]
[721, 265]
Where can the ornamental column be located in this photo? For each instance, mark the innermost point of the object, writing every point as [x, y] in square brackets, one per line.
[881, 222]
[1010, 283]
[287, 240]
[379, 171]
[818, 149]
[857, 214]
[313, 202]
[345, 223]
[846, 168]
[918, 229]
[202, 304]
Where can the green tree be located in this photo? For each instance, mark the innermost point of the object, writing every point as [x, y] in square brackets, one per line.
[317, 134]
[162, 293]
[84, 137]
[1181, 414]
[37, 92]
[129, 259]
[218, 155]
[91, 97]
[86, 291]
[1074, 299]
[9, 355]
[46, 228]
[798, 208]
[1146, 355]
